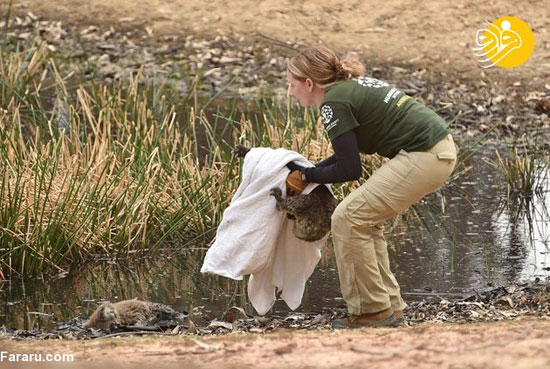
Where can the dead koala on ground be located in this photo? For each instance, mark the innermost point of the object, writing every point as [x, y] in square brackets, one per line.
[311, 212]
[134, 313]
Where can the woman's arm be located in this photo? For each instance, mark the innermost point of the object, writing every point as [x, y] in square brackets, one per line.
[328, 161]
[346, 165]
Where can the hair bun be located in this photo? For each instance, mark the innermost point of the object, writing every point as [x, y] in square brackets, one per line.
[339, 70]
[323, 66]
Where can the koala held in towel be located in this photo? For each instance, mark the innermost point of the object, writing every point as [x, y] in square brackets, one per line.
[311, 212]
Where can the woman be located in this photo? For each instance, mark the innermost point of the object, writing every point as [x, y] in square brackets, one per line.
[366, 115]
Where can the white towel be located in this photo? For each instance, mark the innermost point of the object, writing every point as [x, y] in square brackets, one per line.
[255, 238]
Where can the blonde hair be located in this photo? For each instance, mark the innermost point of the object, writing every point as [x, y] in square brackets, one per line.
[323, 67]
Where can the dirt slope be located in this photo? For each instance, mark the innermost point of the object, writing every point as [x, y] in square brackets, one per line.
[512, 344]
[430, 33]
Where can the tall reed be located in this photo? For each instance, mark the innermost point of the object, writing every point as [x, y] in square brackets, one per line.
[525, 167]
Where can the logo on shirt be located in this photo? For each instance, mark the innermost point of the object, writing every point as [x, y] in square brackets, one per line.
[507, 42]
[371, 82]
[392, 94]
[326, 114]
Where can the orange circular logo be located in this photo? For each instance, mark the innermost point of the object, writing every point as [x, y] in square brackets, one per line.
[507, 42]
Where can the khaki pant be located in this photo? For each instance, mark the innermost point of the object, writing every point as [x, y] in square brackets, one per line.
[367, 283]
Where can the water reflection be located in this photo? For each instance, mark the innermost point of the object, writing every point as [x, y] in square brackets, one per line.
[476, 243]
[525, 233]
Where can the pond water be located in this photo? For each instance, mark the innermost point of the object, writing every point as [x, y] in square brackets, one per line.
[479, 242]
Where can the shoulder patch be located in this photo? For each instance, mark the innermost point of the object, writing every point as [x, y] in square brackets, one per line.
[371, 82]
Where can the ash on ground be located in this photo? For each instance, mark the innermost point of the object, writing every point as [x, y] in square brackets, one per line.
[502, 303]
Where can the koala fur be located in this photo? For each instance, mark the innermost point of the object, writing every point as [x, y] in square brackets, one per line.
[131, 312]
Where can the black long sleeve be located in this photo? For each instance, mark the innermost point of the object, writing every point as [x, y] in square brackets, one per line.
[328, 161]
[343, 166]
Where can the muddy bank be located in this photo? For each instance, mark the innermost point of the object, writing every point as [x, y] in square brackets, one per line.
[507, 328]
[503, 303]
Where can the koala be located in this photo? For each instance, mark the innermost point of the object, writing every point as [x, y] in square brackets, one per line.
[131, 312]
[311, 212]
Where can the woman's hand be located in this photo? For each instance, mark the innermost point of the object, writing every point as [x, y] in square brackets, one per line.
[293, 166]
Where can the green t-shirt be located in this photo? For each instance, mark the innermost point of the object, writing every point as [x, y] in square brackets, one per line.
[384, 118]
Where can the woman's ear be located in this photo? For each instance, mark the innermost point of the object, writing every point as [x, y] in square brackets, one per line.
[309, 84]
